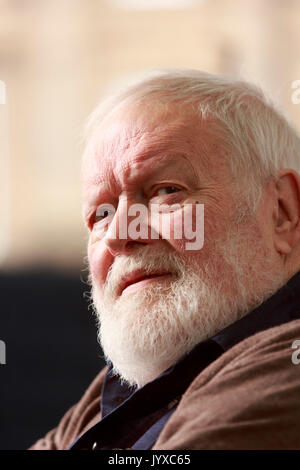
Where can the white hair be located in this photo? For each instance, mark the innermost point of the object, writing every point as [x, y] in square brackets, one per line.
[256, 138]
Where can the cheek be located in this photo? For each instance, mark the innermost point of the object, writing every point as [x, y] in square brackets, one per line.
[187, 228]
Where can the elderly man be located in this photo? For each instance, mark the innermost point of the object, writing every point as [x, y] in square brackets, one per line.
[199, 338]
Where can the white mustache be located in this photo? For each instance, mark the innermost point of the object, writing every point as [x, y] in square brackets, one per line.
[124, 266]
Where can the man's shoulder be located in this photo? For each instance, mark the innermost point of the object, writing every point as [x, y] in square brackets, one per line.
[248, 398]
[273, 343]
[78, 419]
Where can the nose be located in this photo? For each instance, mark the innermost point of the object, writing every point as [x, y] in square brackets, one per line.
[128, 229]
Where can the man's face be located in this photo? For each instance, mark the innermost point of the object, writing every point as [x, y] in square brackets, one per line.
[154, 298]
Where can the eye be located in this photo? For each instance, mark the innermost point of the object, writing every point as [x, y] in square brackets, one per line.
[166, 190]
[103, 212]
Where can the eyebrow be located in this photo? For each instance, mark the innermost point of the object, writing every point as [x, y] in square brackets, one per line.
[167, 161]
[103, 188]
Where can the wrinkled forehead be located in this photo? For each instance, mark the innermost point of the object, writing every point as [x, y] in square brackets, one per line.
[140, 131]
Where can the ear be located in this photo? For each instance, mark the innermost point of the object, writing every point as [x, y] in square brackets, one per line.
[286, 214]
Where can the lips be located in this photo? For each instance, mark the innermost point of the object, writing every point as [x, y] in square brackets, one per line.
[138, 276]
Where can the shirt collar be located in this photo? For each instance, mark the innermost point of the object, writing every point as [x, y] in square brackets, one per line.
[281, 307]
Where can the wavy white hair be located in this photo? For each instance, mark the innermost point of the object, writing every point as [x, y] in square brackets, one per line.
[257, 138]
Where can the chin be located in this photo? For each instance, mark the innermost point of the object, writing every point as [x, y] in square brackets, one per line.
[149, 329]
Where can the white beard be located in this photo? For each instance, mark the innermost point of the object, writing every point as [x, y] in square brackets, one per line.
[146, 331]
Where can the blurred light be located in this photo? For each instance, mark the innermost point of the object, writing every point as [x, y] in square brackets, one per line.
[155, 4]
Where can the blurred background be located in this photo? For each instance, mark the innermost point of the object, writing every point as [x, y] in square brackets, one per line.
[58, 58]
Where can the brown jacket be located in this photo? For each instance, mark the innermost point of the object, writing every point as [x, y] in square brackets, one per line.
[249, 398]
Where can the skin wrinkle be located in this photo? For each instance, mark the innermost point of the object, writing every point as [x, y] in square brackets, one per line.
[138, 128]
[153, 177]
[153, 149]
[147, 330]
[142, 150]
[211, 195]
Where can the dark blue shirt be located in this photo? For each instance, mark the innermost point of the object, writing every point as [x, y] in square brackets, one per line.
[134, 418]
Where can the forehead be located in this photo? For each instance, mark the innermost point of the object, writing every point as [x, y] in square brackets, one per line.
[135, 139]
